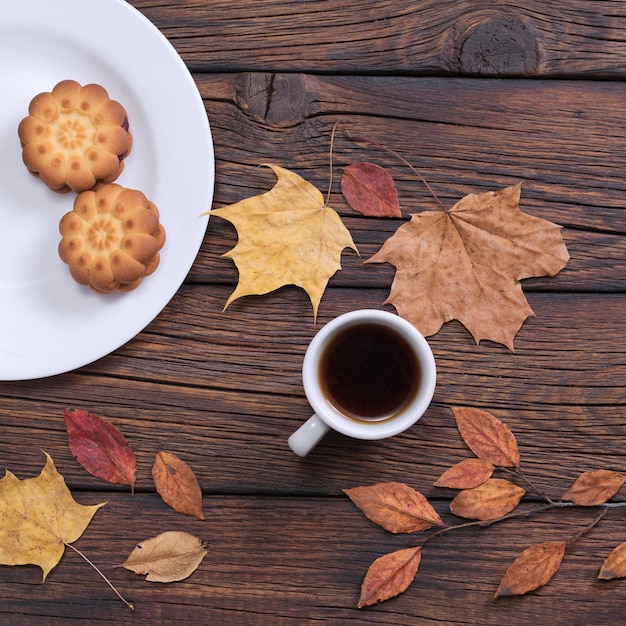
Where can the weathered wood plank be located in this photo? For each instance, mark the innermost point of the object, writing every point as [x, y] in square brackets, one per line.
[224, 390]
[563, 140]
[401, 36]
[271, 561]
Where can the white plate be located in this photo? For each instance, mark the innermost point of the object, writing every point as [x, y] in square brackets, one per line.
[48, 323]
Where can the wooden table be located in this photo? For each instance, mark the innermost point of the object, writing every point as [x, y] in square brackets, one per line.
[477, 96]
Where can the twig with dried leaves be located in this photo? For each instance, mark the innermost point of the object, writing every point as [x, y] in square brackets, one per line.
[485, 500]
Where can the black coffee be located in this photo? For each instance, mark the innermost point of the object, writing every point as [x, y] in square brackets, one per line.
[369, 372]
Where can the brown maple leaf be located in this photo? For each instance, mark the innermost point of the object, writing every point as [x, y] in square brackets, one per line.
[287, 236]
[466, 263]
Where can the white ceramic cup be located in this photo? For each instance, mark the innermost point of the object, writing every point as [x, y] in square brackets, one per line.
[327, 416]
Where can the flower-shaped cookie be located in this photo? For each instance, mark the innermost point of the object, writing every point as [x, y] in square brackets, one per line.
[74, 137]
[111, 238]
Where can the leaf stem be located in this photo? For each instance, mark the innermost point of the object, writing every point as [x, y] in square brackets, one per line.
[401, 158]
[585, 530]
[332, 142]
[517, 471]
[106, 580]
[502, 518]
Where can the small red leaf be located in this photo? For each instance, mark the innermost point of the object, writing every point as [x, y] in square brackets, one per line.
[593, 488]
[487, 437]
[614, 565]
[100, 447]
[532, 569]
[389, 575]
[466, 474]
[494, 498]
[370, 190]
[396, 507]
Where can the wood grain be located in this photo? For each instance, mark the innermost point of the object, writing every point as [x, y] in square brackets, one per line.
[397, 36]
[476, 96]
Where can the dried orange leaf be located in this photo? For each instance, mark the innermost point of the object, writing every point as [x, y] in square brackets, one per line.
[487, 437]
[466, 263]
[396, 507]
[177, 484]
[168, 557]
[593, 488]
[466, 474]
[614, 565]
[287, 236]
[370, 190]
[100, 447]
[532, 569]
[38, 518]
[488, 501]
[389, 575]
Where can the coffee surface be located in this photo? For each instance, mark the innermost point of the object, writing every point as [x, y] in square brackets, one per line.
[369, 372]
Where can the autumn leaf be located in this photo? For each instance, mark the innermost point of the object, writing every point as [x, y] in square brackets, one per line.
[389, 575]
[466, 263]
[370, 190]
[100, 447]
[494, 498]
[593, 488]
[38, 518]
[168, 557]
[396, 507]
[466, 474]
[614, 565]
[532, 569]
[287, 236]
[487, 437]
[177, 484]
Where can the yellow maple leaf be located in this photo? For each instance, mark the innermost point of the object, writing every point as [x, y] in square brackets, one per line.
[287, 236]
[38, 518]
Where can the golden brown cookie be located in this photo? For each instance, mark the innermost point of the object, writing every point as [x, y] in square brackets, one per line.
[75, 137]
[111, 238]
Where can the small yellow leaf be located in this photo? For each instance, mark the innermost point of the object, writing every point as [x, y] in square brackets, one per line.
[494, 498]
[532, 569]
[38, 517]
[168, 557]
[396, 507]
[466, 474]
[287, 236]
[593, 488]
[614, 565]
[389, 575]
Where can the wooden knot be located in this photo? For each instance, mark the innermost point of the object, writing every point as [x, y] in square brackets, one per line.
[277, 100]
[501, 45]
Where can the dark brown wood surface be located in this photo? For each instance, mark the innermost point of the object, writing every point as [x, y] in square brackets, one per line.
[477, 96]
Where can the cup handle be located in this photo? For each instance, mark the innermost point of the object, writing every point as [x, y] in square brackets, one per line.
[303, 440]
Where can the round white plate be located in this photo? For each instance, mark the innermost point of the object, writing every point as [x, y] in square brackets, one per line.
[48, 323]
